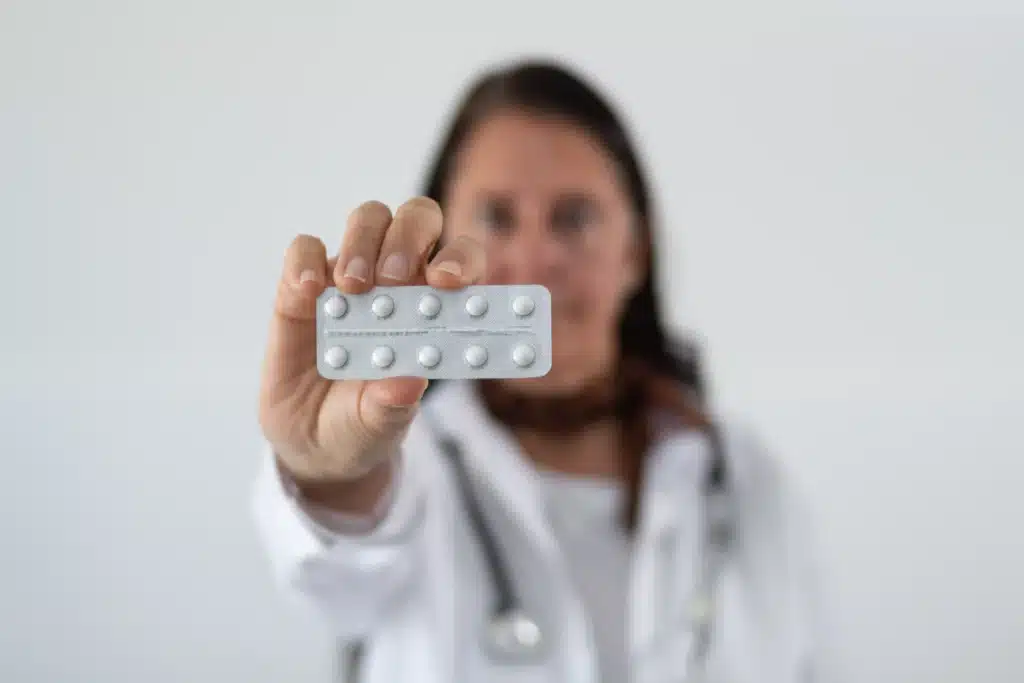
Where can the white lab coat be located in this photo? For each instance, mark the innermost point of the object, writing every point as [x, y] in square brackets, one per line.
[418, 589]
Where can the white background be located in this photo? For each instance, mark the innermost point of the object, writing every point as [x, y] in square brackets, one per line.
[843, 195]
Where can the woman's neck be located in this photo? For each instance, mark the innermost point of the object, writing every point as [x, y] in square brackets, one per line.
[592, 452]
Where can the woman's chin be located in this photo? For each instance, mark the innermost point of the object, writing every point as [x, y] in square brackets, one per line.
[556, 383]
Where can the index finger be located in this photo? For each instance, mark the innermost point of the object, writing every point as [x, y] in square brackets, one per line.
[409, 240]
[360, 247]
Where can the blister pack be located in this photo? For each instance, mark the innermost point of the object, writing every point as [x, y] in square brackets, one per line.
[478, 332]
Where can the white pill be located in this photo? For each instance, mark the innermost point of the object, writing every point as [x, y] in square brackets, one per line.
[336, 357]
[383, 357]
[336, 306]
[476, 305]
[383, 306]
[430, 306]
[523, 355]
[476, 356]
[522, 306]
[429, 356]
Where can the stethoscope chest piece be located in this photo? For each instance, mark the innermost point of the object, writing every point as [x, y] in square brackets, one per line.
[513, 636]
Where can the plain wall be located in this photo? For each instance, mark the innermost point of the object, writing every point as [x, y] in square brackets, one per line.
[843, 205]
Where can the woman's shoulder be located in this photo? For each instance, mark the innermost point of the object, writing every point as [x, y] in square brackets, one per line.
[749, 458]
[752, 460]
[769, 494]
[758, 474]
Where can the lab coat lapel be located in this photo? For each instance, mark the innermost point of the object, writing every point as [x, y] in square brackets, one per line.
[494, 459]
[667, 537]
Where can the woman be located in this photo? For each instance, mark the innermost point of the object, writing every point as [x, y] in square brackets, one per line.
[601, 484]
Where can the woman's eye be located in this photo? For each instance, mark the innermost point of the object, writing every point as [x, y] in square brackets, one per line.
[496, 217]
[574, 215]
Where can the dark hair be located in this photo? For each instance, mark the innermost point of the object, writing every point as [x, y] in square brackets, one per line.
[551, 90]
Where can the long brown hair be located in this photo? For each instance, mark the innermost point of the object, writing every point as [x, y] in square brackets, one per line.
[658, 374]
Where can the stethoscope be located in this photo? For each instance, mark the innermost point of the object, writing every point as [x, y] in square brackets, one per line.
[513, 635]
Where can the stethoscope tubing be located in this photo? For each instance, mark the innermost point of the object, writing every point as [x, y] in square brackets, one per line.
[508, 616]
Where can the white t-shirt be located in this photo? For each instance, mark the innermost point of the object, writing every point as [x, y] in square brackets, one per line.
[585, 514]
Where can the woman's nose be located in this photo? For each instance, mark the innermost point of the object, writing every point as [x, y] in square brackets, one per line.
[530, 256]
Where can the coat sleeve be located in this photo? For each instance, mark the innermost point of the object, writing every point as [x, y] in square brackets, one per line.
[351, 577]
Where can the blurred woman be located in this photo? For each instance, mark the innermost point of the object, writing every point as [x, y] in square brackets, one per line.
[591, 525]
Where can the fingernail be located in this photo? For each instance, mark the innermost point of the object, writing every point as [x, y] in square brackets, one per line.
[308, 275]
[399, 412]
[452, 267]
[396, 415]
[357, 269]
[396, 267]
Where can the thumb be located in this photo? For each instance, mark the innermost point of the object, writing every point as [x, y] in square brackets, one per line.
[387, 406]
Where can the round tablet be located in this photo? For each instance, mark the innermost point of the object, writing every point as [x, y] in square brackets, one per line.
[522, 306]
[429, 356]
[523, 355]
[476, 356]
[336, 357]
[476, 305]
[383, 306]
[336, 306]
[382, 357]
[430, 305]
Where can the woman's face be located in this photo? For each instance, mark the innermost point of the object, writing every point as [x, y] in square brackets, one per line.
[547, 202]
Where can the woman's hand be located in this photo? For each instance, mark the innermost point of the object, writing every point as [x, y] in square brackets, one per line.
[332, 436]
